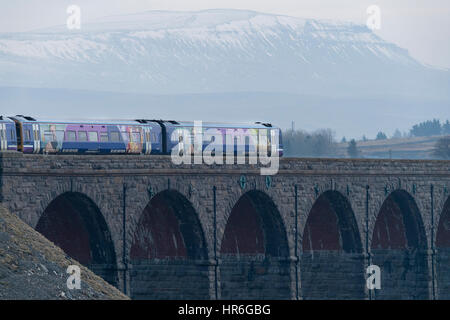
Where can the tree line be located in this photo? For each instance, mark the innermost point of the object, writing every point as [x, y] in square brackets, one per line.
[299, 143]
[322, 143]
[430, 128]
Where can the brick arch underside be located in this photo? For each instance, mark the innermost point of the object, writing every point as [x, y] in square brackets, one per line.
[399, 248]
[74, 223]
[254, 251]
[443, 253]
[168, 254]
[332, 263]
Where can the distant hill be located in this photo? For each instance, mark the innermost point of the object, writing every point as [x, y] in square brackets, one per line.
[221, 64]
[401, 148]
[31, 267]
[221, 50]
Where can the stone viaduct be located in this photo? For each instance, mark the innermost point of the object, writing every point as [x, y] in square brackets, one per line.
[161, 231]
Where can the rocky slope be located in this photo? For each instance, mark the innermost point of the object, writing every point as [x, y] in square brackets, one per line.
[31, 267]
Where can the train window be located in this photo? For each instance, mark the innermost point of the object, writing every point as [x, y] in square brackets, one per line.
[104, 137]
[114, 136]
[93, 136]
[48, 135]
[136, 137]
[36, 135]
[59, 135]
[27, 135]
[71, 136]
[126, 136]
[82, 136]
[1, 135]
[264, 132]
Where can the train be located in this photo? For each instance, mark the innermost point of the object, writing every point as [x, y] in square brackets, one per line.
[27, 134]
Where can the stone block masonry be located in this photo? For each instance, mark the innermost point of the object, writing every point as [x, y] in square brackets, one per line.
[156, 230]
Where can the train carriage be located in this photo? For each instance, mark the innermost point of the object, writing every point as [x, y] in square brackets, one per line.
[8, 135]
[242, 138]
[87, 136]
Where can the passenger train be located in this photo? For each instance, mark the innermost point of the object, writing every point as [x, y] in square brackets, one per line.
[29, 135]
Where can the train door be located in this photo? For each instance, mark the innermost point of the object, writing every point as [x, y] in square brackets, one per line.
[252, 142]
[136, 140]
[156, 139]
[264, 141]
[27, 138]
[36, 136]
[147, 131]
[3, 139]
[104, 145]
[19, 135]
[272, 141]
[93, 139]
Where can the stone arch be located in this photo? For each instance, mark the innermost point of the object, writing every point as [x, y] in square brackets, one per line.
[443, 252]
[398, 247]
[74, 223]
[168, 253]
[332, 263]
[254, 251]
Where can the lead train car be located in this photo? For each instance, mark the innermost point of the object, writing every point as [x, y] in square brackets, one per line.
[240, 132]
[88, 136]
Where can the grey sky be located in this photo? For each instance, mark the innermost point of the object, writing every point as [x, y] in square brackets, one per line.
[421, 26]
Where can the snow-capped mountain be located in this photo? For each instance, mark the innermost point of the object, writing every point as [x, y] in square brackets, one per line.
[215, 51]
[230, 65]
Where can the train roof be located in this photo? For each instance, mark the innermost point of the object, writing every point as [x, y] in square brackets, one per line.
[133, 122]
[27, 119]
[229, 125]
[5, 119]
[248, 125]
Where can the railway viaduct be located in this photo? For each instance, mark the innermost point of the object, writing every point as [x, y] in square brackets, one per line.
[161, 231]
